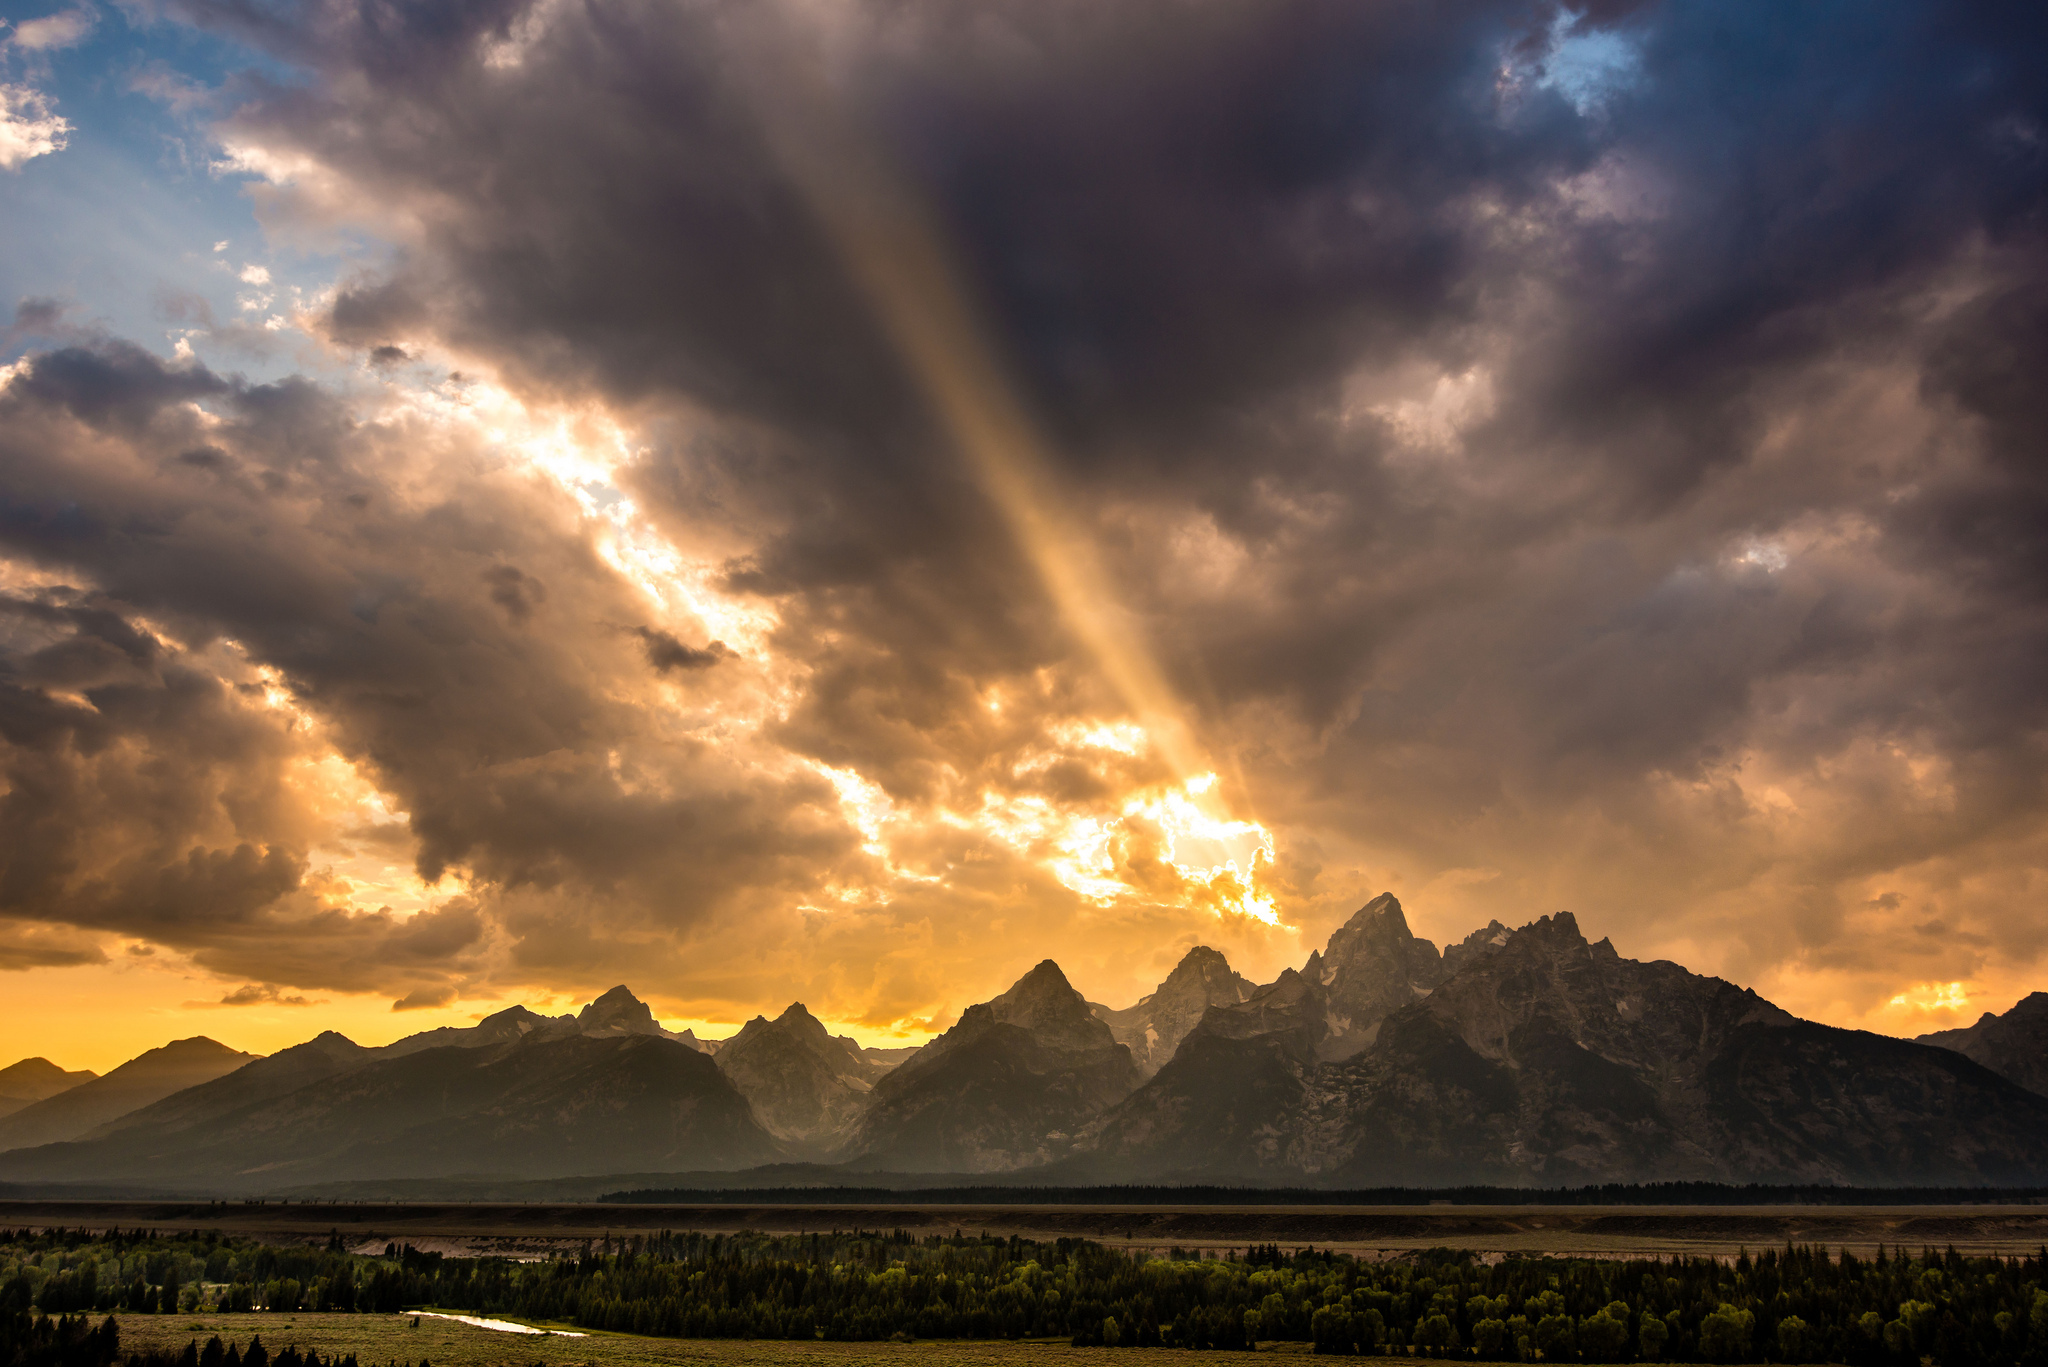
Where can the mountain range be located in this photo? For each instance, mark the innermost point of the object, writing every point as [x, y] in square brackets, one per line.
[1520, 1057]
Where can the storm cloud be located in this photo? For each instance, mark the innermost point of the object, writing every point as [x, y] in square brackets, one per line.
[1584, 458]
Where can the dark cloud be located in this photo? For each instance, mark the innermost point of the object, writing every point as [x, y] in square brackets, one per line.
[666, 653]
[260, 994]
[20, 952]
[424, 998]
[288, 591]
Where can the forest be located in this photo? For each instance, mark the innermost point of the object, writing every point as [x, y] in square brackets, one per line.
[1792, 1304]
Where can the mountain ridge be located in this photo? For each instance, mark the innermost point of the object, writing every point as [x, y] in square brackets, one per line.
[2014, 1045]
[1530, 1056]
[148, 1077]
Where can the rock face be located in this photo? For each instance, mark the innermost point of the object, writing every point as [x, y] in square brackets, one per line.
[144, 1079]
[806, 1085]
[1547, 1060]
[538, 1107]
[1373, 965]
[25, 1083]
[1154, 1028]
[2014, 1045]
[1227, 1099]
[1007, 1087]
[1475, 946]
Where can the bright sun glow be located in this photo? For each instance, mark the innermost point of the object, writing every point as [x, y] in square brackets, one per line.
[1161, 845]
[1935, 997]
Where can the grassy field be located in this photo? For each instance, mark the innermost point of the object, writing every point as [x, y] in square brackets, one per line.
[380, 1339]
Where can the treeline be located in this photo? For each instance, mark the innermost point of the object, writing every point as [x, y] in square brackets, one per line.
[1782, 1305]
[1610, 1194]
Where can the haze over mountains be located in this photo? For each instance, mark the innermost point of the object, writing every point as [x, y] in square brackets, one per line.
[25, 1083]
[1525, 1056]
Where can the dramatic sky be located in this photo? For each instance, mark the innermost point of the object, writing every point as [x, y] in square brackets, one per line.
[842, 499]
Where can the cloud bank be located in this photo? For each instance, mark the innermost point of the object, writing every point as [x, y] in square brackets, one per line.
[1553, 458]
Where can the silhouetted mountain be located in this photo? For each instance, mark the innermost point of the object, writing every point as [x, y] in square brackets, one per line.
[806, 1085]
[617, 1012]
[1550, 1060]
[2014, 1045]
[1006, 1087]
[509, 1026]
[538, 1107]
[266, 1079]
[142, 1080]
[1537, 1058]
[886, 1059]
[25, 1083]
[1155, 1027]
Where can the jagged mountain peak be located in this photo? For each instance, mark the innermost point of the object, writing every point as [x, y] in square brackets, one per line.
[795, 1023]
[619, 1012]
[1476, 946]
[618, 1009]
[1042, 999]
[1154, 1027]
[1376, 931]
[806, 1085]
[1547, 982]
[1199, 962]
[1007, 1086]
[1372, 965]
[1383, 911]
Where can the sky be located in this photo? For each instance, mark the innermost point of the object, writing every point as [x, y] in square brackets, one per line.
[840, 500]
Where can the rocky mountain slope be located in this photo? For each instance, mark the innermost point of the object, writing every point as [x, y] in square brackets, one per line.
[326, 1055]
[806, 1085]
[1225, 1098]
[1005, 1088]
[31, 1080]
[1154, 1027]
[1519, 1057]
[2014, 1045]
[142, 1080]
[1549, 1060]
[1372, 965]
